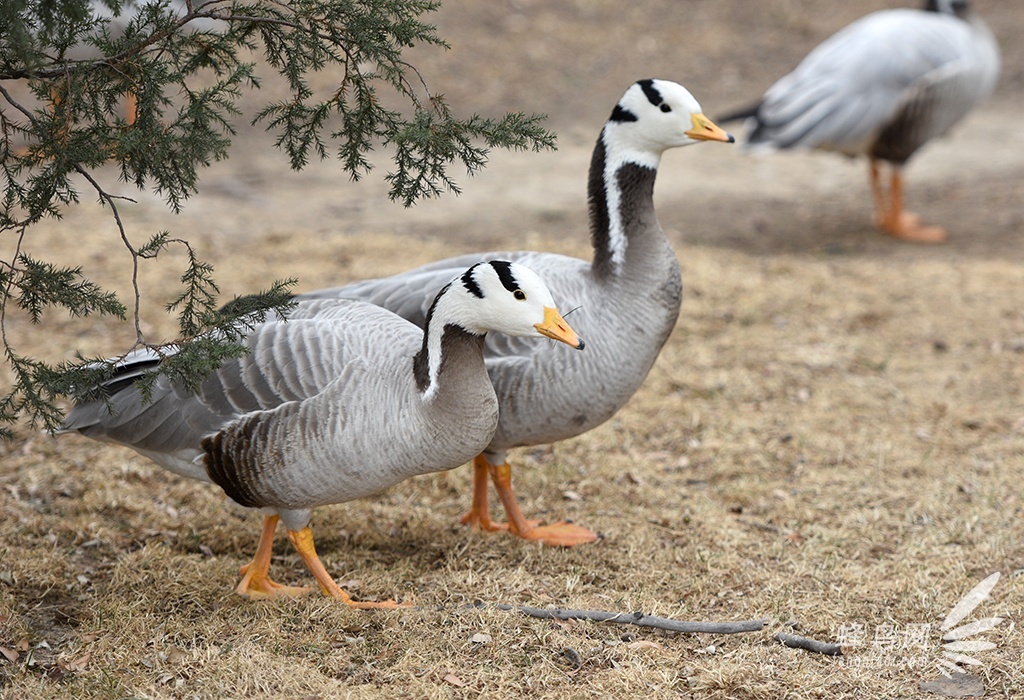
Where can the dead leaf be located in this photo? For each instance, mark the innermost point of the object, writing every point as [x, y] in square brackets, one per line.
[23, 645]
[175, 655]
[11, 655]
[959, 685]
[452, 679]
[481, 638]
[566, 624]
[78, 664]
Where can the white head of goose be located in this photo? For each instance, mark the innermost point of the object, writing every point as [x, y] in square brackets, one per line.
[341, 401]
[628, 298]
[882, 87]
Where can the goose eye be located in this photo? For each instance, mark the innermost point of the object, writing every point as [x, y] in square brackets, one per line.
[665, 107]
[519, 294]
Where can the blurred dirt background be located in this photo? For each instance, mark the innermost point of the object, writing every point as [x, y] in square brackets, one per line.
[833, 437]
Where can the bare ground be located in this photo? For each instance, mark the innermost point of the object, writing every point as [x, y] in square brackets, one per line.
[834, 434]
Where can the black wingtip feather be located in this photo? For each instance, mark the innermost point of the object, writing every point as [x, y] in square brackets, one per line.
[737, 114]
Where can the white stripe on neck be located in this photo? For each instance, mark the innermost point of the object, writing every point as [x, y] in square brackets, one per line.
[617, 155]
[446, 310]
[433, 363]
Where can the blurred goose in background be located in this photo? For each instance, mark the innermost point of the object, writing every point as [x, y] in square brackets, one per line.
[127, 11]
[882, 87]
[341, 401]
[628, 297]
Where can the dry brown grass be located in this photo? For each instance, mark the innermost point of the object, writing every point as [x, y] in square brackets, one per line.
[802, 451]
[833, 435]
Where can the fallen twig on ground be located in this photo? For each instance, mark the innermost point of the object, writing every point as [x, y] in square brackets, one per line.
[639, 619]
[796, 642]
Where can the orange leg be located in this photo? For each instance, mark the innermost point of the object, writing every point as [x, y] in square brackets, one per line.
[479, 514]
[892, 219]
[131, 108]
[256, 582]
[302, 540]
[559, 534]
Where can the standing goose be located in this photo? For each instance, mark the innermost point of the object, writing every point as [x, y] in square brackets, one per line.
[341, 401]
[629, 297]
[882, 87]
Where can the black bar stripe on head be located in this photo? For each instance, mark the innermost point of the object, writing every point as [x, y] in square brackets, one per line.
[470, 284]
[653, 96]
[621, 114]
[504, 270]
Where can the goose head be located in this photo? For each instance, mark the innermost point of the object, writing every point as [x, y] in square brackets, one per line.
[505, 297]
[655, 115]
[490, 296]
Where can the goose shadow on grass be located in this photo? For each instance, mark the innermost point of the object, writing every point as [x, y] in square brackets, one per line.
[984, 217]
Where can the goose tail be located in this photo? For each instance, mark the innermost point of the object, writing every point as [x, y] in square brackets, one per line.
[747, 112]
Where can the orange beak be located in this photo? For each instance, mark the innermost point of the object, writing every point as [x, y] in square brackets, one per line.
[555, 327]
[706, 130]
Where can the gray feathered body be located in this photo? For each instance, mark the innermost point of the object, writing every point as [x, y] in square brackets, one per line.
[882, 86]
[546, 393]
[323, 410]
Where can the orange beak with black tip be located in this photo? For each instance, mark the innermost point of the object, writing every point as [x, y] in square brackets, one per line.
[555, 327]
[706, 130]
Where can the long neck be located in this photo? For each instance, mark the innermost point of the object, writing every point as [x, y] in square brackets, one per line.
[451, 359]
[621, 199]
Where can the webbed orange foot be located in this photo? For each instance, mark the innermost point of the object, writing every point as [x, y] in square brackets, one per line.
[254, 586]
[908, 227]
[256, 583]
[484, 522]
[302, 540]
[559, 534]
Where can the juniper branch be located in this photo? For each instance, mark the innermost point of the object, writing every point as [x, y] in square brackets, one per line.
[188, 87]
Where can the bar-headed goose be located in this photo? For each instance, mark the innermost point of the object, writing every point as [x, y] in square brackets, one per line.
[341, 401]
[882, 87]
[629, 296]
